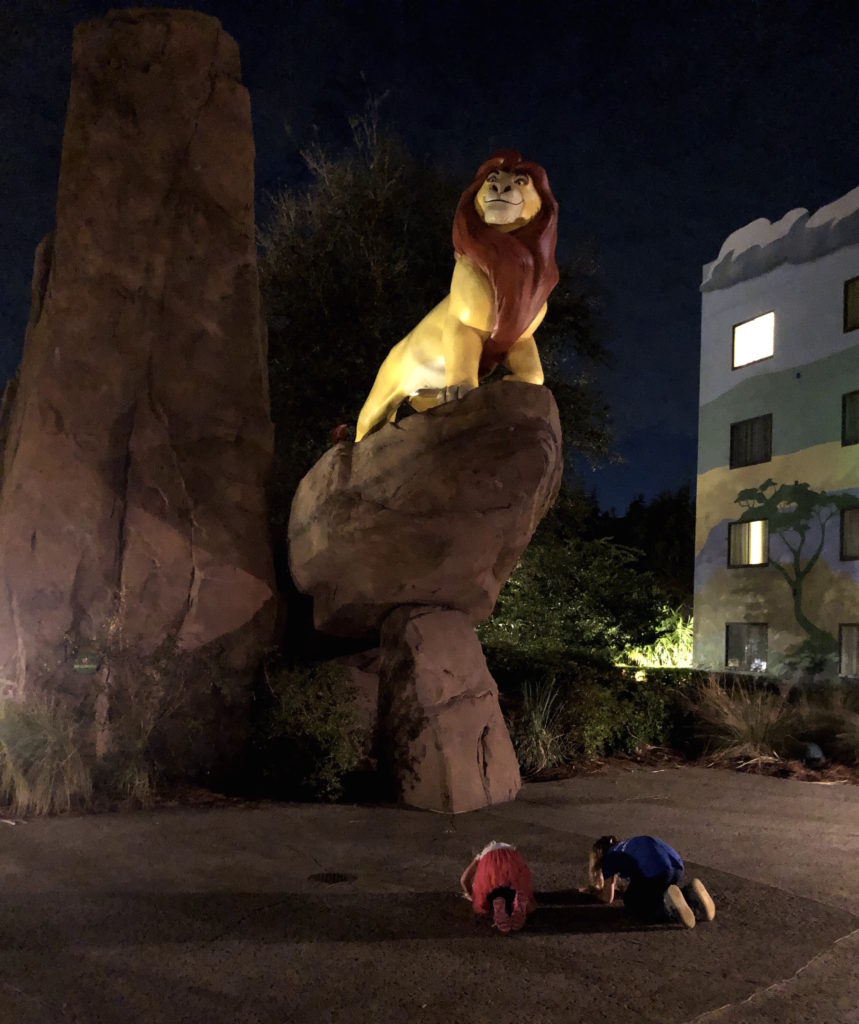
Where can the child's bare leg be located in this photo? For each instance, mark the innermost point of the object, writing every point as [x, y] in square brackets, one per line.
[467, 879]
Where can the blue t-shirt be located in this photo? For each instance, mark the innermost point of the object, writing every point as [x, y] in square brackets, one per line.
[641, 857]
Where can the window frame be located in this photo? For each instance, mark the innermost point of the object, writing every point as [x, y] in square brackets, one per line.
[740, 423]
[844, 512]
[847, 394]
[741, 323]
[765, 626]
[841, 627]
[854, 281]
[748, 565]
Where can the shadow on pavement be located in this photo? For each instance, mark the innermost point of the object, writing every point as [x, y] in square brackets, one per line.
[56, 921]
[570, 911]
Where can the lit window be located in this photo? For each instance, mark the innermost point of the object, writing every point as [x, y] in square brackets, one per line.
[848, 643]
[851, 304]
[850, 418]
[850, 533]
[748, 543]
[754, 340]
[746, 646]
[752, 441]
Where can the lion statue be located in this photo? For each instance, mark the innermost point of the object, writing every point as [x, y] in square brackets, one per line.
[504, 235]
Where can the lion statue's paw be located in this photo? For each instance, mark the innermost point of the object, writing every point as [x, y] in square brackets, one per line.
[455, 391]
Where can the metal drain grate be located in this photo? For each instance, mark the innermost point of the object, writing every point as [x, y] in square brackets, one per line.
[331, 877]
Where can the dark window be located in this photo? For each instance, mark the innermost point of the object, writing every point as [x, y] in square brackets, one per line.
[851, 304]
[748, 543]
[848, 643]
[746, 646]
[850, 533]
[850, 418]
[752, 441]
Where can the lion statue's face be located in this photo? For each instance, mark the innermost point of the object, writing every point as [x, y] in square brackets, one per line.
[507, 200]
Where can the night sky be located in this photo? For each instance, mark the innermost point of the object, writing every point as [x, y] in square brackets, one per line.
[663, 126]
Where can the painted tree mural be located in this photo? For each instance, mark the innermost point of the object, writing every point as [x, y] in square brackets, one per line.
[797, 516]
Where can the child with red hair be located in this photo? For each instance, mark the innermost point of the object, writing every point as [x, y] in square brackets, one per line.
[498, 882]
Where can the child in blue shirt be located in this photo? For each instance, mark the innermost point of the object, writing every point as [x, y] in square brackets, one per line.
[652, 872]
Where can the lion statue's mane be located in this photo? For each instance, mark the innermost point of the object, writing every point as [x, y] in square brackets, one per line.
[520, 264]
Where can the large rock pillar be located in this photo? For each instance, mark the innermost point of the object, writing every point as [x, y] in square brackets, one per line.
[133, 511]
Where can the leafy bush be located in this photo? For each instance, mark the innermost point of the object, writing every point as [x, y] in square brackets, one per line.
[573, 599]
[745, 720]
[41, 768]
[597, 709]
[309, 737]
[620, 712]
[672, 647]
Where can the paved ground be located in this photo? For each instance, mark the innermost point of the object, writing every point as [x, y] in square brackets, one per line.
[211, 916]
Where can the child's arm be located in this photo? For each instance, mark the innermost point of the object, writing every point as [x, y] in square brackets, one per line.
[468, 878]
[606, 894]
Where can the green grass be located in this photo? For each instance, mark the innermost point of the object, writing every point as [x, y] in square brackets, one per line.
[41, 768]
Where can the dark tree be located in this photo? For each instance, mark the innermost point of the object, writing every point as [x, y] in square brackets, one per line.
[663, 531]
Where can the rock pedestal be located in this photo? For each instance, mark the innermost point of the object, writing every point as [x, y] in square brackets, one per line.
[443, 734]
[410, 536]
[133, 512]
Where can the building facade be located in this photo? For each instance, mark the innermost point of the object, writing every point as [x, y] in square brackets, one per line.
[777, 515]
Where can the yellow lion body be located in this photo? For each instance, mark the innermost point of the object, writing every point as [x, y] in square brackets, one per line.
[504, 235]
[443, 351]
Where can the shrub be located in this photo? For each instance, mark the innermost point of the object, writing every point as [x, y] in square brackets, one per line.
[537, 728]
[127, 776]
[847, 745]
[309, 737]
[573, 598]
[152, 733]
[620, 712]
[672, 647]
[41, 768]
[829, 716]
[599, 709]
[743, 720]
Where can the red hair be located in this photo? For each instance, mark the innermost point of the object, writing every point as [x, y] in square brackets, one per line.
[520, 264]
[503, 867]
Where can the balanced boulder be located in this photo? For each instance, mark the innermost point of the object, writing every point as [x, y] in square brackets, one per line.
[409, 537]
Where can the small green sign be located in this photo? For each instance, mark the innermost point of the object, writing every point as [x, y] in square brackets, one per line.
[88, 662]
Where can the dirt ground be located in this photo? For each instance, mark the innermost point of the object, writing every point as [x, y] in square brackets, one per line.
[307, 913]
[828, 773]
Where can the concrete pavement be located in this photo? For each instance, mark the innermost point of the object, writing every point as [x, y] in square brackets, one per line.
[304, 913]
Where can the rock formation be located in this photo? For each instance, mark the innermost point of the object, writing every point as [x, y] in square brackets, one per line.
[132, 513]
[410, 535]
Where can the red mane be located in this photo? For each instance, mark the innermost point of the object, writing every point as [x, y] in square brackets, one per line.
[520, 264]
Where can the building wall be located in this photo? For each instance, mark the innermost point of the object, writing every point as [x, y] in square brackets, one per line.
[815, 362]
